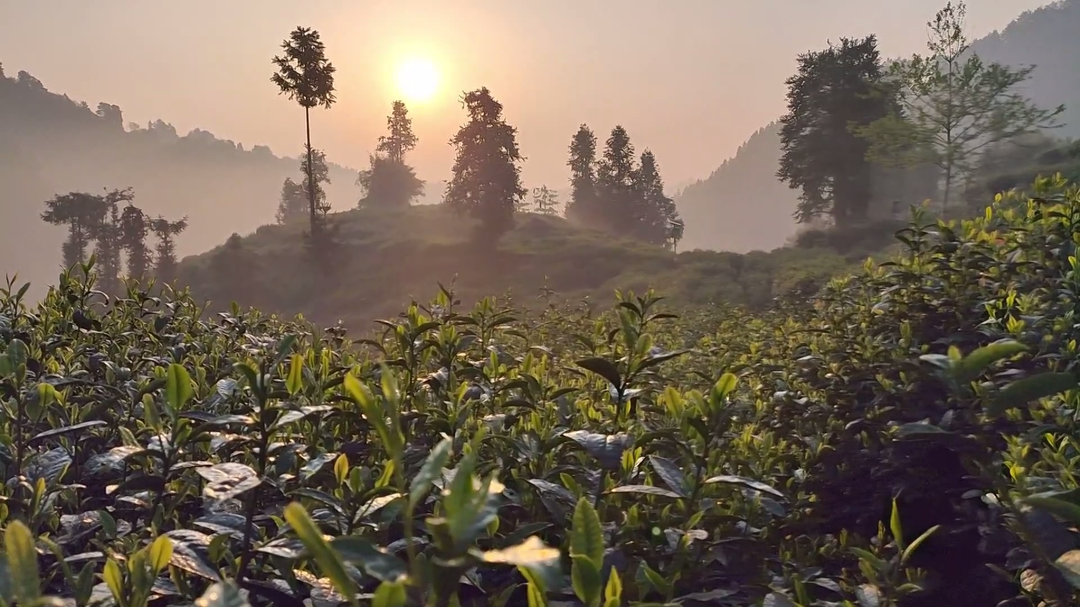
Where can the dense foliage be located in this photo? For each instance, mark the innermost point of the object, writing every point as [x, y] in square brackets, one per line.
[905, 437]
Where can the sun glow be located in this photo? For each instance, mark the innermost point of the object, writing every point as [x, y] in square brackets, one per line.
[417, 80]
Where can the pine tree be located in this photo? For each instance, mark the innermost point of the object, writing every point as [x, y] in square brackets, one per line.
[545, 200]
[390, 181]
[583, 207]
[616, 176]
[401, 139]
[656, 212]
[487, 181]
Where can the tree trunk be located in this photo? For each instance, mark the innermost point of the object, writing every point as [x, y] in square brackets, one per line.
[310, 171]
[945, 197]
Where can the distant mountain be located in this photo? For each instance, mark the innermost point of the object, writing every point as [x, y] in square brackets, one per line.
[50, 144]
[742, 206]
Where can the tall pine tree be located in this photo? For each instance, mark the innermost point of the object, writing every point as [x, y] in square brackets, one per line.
[615, 184]
[487, 176]
[390, 181]
[656, 212]
[584, 205]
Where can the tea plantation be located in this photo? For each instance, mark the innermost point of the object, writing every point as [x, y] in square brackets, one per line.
[906, 437]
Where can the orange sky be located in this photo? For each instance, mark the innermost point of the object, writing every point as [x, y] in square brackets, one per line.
[690, 79]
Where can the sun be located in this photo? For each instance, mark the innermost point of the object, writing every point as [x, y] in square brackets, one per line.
[417, 79]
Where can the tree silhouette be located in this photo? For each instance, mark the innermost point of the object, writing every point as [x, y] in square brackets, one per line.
[390, 181]
[616, 184]
[832, 90]
[293, 204]
[401, 139]
[306, 76]
[487, 179]
[134, 228]
[165, 262]
[107, 233]
[545, 200]
[655, 211]
[583, 206]
[79, 211]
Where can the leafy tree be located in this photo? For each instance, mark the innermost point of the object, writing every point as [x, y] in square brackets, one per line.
[401, 139]
[390, 180]
[545, 200]
[953, 106]
[584, 203]
[295, 198]
[616, 184]
[655, 210]
[675, 233]
[80, 212]
[487, 179]
[293, 204]
[166, 231]
[306, 76]
[832, 90]
[134, 228]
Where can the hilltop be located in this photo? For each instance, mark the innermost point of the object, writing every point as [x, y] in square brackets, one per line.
[51, 144]
[389, 257]
[742, 205]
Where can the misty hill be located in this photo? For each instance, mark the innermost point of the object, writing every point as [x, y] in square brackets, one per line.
[391, 256]
[50, 144]
[742, 206]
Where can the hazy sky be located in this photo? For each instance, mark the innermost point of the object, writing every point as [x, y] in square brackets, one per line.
[690, 79]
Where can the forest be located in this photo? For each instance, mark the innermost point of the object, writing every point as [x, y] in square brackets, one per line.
[882, 413]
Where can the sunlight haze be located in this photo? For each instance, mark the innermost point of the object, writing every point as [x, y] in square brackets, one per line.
[690, 80]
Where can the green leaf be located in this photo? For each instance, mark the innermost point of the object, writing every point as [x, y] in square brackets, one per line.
[722, 389]
[530, 552]
[1062, 509]
[742, 480]
[585, 579]
[178, 389]
[227, 480]
[389, 594]
[160, 553]
[431, 470]
[671, 474]
[223, 594]
[114, 579]
[645, 490]
[613, 590]
[586, 536]
[1069, 566]
[296, 375]
[1024, 391]
[910, 550]
[328, 560]
[973, 365]
[374, 561]
[22, 563]
[895, 527]
[604, 368]
[341, 469]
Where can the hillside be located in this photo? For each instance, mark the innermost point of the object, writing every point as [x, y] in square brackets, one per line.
[389, 257]
[743, 206]
[50, 144]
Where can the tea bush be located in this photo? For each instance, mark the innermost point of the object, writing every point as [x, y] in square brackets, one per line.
[907, 436]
